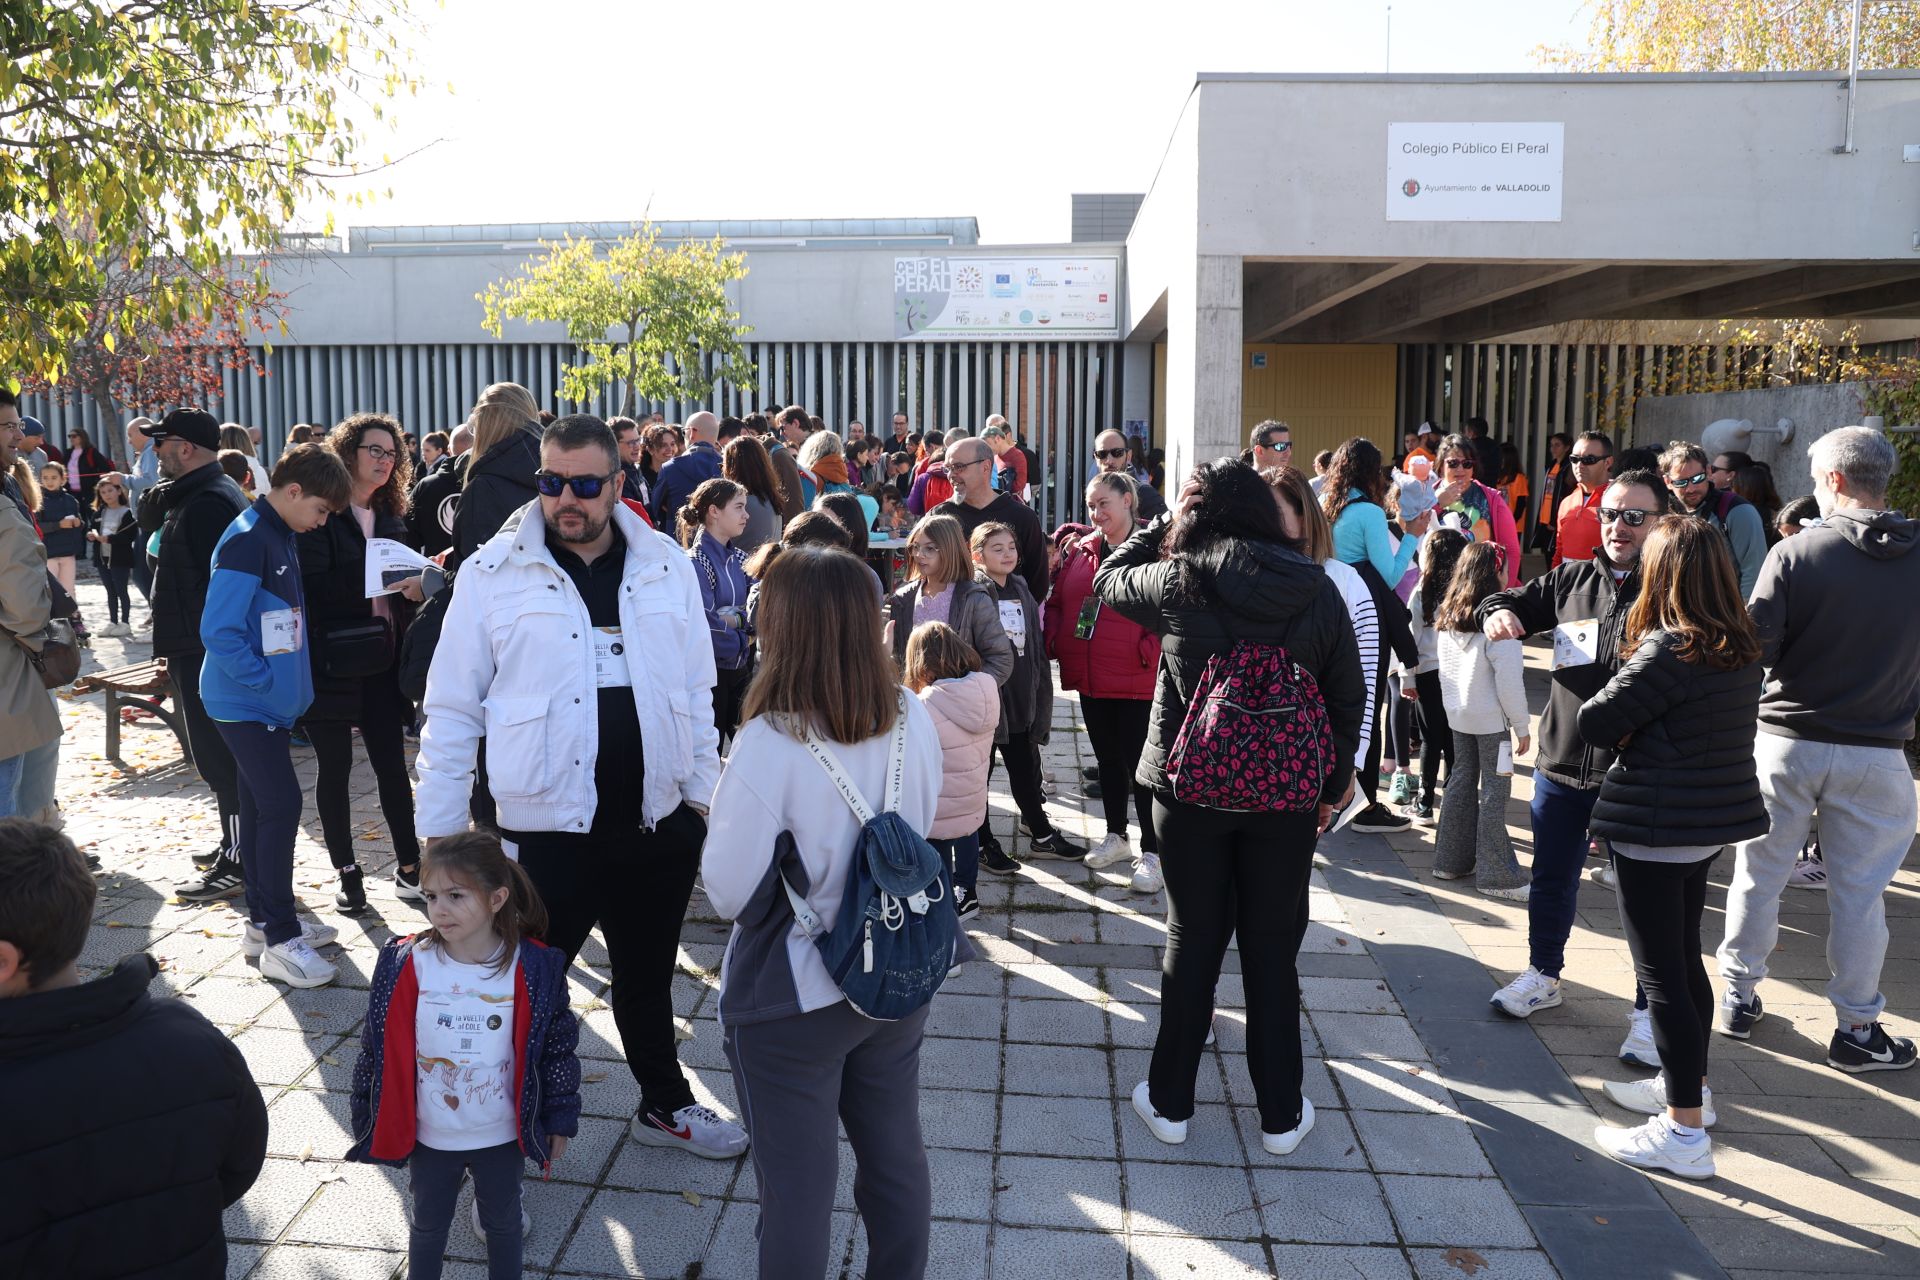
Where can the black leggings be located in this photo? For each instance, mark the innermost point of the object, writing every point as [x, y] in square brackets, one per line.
[1023, 778]
[1117, 731]
[1660, 908]
[333, 749]
[119, 603]
[1401, 721]
[1369, 781]
[1436, 735]
[729, 693]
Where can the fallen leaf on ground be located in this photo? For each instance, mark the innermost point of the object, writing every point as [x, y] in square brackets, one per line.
[593, 1077]
[306, 1153]
[1602, 1221]
[1464, 1260]
[691, 1197]
[1339, 942]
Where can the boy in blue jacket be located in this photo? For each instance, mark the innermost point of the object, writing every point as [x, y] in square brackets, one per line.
[256, 681]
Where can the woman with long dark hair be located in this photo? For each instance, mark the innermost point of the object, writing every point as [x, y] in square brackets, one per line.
[1221, 574]
[745, 461]
[709, 524]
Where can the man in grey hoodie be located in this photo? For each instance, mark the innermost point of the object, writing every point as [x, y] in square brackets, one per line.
[1838, 707]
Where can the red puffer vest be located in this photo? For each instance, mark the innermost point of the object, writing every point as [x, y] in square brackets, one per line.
[1121, 658]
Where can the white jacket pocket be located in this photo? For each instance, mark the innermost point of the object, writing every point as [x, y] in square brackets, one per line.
[519, 761]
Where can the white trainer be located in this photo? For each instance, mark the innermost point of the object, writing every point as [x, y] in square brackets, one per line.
[1113, 847]
[254, 940]
[295, 963]
[1527, 994]
[1654, 1145]
[1146, 873]
[1603, 875]
[1171, 1132]
[697, 1129]
[1282, 1144]
[1638, 1047]
[1649, 1097]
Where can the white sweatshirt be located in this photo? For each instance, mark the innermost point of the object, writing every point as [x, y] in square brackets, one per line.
[1482, 683]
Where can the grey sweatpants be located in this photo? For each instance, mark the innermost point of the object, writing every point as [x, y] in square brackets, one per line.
[796, 1076]
[1867, 814]
[1473, 815]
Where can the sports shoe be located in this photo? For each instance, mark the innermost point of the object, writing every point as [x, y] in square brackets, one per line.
[965, 905]
[1055, 844]
[1282, 1144]
[1171, 1132]
[1638, 1047]
[697, 1130]
[1512, 893]
[473, 1216]
[1603, 875]
[1438, 874]
[253, 940]
[1527, 994]
[1090, 773]
[1808, 873]
[1881, 1052]
[352, 898]
[295, 963]
[1093, 790]
[1146, 873]
[1654, 1145]
[1420, 809]
[221, 880]
[406, 886]
[994, 858]
[1735, 1019]
[1401, 791]
[1649, 1097]
[207, 857]
[1379, 818]
[1113, 847]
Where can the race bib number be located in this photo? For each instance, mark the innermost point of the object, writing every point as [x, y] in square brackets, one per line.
[280, 632]
[1576, 644]
[610, 669]
[1013, 620]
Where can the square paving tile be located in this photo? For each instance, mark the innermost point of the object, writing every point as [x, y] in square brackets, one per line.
[1408, 1142]
[1052, 982]
[1070, 1022]
[304, 1122]
[1035, 1192]
[960, 1118]
[1338, 1262]
[307, 1262]
[1057, 1126]
[1211, 1137]
[1364, 1035]
[366, 1207]
[1379, 1084]
[959, 1064]
[1055, 1069]
[551, 1207]
[956, 1251]
[1310, 1206]
[1332, 1144]
[283, 1189]
[1190, 1200]
[1056, 1255]
[966, 1017]
[638, 1233]
[1455, 1211]
[1184, 1258]
[1501, 1264]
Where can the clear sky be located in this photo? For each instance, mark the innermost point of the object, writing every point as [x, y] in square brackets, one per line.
[577, 110]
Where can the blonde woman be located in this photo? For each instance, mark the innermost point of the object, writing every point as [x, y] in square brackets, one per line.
[240, 440]
[506, 453]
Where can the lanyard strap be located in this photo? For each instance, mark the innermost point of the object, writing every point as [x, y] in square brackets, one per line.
[896, 768]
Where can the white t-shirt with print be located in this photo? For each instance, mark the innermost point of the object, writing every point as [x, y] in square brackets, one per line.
[463, 1048]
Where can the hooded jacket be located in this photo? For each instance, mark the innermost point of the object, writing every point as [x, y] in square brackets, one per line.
[973, 614]
[1120, 658]
[498, 485]
[964, 713]
[190, 514]
[1261, 592]
[1837, 607]
[255, 625]
[131, 1124]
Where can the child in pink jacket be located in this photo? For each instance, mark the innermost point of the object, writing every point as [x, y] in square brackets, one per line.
[964, 702]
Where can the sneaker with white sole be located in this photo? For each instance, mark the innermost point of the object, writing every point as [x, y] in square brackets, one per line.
[1171, 1132]
[1649, 1097]
[1055, 844]
[1603, 875]
[1512, 893]
[1737, 1018]
[1282, 1144]
[1639, 1047]
[473, 1217]
[1113, 847]
[221, 880]
[253, 940]
[1879, 1052]
[407, 887]
[295, 963]
[1527, 994]
[1401, 792]
[698, 1130]
[1146, 873]
[1654, 1145]
[1808, 873]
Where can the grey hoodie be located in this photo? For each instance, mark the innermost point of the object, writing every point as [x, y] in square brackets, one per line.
[1838, 612]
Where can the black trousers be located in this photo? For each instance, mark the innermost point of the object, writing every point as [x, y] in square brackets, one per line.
[211, 755]
[1436, 735]
[729, 693]
[1117, 732]
[1401, 719]
[1660, 908]
[1228, 873]
[1022, 759]
[1369, 782]
[635, 885]
[333, 750]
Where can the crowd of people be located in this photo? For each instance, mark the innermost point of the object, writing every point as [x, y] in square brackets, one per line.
[636, 647]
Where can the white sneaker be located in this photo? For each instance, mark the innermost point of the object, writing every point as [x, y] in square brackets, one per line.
[1171, 1132]
[1639, 1047]
[697, 1129]
[1146, 873]
[295, 963]
[1282, 1144]
[1527, 994]
[409, 890]
[1808, 873]
[473, 1216]
[1113, 847]
[1654, 1145]
[1603, 875]
[1649, 1097]
[254, 940]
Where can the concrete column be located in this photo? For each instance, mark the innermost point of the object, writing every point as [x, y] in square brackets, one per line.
[1205, 331]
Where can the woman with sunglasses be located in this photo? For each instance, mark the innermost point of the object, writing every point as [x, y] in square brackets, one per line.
[355, 650]
[1469, 502]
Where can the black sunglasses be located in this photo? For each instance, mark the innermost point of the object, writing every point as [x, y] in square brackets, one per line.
[1632, 517]
[551, 485]
[1109, 453]
[1278, 446]
[1589, 459]
[1458, 464]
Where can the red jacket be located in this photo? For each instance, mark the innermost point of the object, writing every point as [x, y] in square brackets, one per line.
[1121, 658]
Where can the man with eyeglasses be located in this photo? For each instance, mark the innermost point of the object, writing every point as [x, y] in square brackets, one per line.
[1577, 528]
[576, 643]
[1584, 604]
[1112, 453]
[974, 503]
[1685, 467]
[1272, 445]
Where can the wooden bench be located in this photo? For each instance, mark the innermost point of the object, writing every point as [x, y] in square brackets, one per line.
[144, 685]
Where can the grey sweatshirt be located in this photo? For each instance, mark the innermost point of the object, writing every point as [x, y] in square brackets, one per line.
[1837, 607]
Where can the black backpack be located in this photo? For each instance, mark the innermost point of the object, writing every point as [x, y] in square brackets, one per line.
[422, 638]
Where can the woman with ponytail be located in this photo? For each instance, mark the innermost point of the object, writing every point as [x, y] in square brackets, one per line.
[713, 518]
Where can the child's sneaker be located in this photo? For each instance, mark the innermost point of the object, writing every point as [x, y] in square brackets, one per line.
[1402, 789]
[221, 880]
[1112, 848]
[406, 886]
[1421, 809]
[965, 905]
[995, 859]
[295, 963]
[352, 898]
[1055, 844]
[253, 940]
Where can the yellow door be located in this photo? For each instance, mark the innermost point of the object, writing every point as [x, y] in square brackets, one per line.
[1327, 394]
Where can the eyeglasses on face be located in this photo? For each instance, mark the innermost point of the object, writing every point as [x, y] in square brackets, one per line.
[550, 484]
[1632, 517]
[1688, 482]
[380, 452]
[1109, 453]
[1590, 459]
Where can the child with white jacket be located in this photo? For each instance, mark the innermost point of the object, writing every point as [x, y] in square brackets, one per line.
[1482, 687]
[964, 702]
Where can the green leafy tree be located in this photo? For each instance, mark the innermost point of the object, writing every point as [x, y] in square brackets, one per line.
[669, 302]
[1738, 35]
[188, 130]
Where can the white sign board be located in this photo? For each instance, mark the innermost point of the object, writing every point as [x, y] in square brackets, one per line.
[949, 297]
[1440, 172]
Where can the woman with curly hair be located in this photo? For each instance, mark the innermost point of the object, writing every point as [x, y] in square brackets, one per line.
[354, 643]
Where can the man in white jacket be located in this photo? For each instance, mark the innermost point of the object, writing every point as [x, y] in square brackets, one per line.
[576, 643]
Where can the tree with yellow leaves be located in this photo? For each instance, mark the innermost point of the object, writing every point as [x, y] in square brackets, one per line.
[1739, 35]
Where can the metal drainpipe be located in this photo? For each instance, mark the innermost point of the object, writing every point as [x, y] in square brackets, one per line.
[1853, 78]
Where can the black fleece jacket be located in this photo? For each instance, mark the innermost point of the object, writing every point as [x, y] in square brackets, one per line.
[190, 514]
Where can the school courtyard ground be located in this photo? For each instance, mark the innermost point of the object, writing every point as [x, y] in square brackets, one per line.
[1451, 1141]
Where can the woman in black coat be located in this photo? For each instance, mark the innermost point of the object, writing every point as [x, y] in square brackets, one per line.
[1682, 710]
[1223, 571]
[355, 648]
[505, 454]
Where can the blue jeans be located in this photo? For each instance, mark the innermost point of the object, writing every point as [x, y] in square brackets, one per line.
[39, 769]
[433, 1178]
[270, 804]
[963, 859]
[1560, 815]
[10, 770]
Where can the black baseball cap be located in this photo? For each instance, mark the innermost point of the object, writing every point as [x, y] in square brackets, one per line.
[195, 426]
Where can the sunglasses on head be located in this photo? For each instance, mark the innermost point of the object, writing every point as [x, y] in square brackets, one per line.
[1632, 517]
[1690, 481]
[1590, 459]
[551, 485]
[1109, 453]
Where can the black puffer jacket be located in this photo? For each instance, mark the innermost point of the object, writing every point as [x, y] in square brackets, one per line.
[431, 507]
[131, 1123]
[333, 571]
[1273, 595]
[498, 485]
[1686, 775]
[190, 514]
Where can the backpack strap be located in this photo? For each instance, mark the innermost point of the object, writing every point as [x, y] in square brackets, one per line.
[805, 916]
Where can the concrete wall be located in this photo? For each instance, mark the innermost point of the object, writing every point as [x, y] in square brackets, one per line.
[1814, 411]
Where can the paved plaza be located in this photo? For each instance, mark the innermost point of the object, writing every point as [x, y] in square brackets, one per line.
[1450, 1142]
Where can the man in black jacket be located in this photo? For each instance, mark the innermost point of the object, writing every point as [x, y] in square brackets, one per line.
[1584, 603]
[131, 1122]
[190, 508]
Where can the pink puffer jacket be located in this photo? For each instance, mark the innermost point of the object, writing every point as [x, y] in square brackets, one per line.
[966, 712]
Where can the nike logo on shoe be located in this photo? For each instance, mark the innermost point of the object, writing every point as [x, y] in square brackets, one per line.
[684, 1132]
[1878, 1055]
